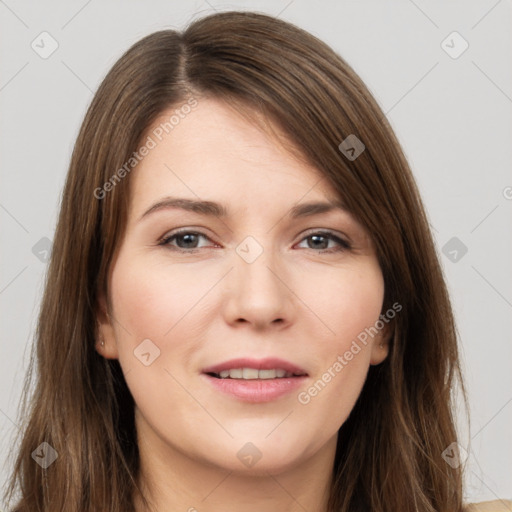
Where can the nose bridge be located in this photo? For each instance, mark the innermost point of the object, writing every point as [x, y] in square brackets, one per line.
[257, 293]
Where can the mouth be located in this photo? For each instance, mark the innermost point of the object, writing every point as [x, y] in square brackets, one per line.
[254, 373]
[252, 380]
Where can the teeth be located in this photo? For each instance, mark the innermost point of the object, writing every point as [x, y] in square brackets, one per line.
[249, 373]
[253, 373]
[236, 373]
[267, 374]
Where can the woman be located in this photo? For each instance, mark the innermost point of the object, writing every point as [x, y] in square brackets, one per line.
[244, 309]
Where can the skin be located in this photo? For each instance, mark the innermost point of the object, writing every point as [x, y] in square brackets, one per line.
[205, 307]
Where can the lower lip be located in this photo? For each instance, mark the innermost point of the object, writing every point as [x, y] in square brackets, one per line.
[256, 390]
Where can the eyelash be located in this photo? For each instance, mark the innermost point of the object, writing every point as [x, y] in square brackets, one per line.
[343, 244]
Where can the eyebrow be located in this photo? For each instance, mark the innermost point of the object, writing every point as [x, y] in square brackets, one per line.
[213, 209]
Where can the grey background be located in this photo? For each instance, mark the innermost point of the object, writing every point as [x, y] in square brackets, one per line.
[452, 116]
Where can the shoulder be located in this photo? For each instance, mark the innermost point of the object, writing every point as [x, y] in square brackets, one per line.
[489, 506]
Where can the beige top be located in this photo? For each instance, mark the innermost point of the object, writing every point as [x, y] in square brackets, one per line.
[490, 506]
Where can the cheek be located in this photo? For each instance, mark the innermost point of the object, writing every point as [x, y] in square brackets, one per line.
[346, 302]
[152, 299]
[151, 303]
[343, 353]
[155, 302]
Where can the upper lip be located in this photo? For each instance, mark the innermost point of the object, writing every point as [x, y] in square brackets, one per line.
[259, 364]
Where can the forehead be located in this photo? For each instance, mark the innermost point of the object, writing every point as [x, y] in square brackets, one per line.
[215, 152]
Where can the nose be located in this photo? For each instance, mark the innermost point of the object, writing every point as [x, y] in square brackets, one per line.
[259, 293]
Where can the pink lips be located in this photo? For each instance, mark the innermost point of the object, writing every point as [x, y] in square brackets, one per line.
[256, 390]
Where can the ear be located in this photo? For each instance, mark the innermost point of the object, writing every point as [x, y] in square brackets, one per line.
[381, 343]
[105, 330]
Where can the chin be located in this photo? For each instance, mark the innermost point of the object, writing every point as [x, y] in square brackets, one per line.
[260, 456]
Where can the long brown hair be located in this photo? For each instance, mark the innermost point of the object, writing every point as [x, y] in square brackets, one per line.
[389, 453]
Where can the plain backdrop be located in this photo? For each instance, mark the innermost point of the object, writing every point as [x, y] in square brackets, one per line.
[447, 95]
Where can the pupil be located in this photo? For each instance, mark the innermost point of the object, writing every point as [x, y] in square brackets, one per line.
[186, 237]
[316, 237]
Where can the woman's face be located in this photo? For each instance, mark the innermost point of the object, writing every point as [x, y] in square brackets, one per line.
[241, 337]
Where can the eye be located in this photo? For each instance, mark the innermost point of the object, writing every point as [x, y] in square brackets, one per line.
[321, 238]
[187, 241]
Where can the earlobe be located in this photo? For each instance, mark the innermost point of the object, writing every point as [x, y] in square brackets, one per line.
[381, 345]
[105, 340]
[379, 353]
